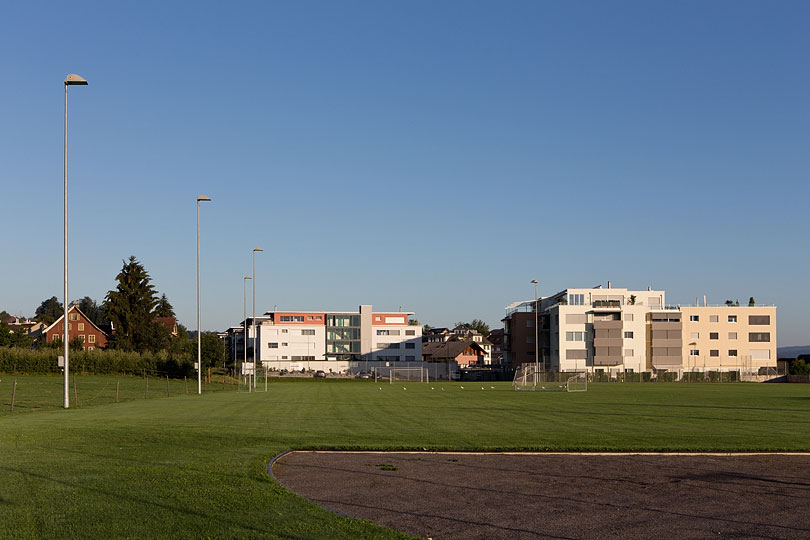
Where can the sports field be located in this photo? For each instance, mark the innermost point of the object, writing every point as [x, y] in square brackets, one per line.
[195, 466]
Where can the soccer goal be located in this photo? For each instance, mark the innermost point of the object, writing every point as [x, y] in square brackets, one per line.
[577, 382]
[528, 377]
[407, 374]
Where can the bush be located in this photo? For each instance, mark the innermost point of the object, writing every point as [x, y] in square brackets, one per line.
[19, 360]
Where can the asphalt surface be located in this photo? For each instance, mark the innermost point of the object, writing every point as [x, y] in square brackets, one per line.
[515, 496]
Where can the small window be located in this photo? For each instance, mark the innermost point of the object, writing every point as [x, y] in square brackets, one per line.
[318, 318]
[284, 344]
[714, 335]
[73, 317]
[530, 323]
[714, 318]
[284, 331]
[377, 318]
[81, 327]
[628, 335]
[409, 358]
[284, 357]
[732, 335]
[273, 345]
[92, 338]
[732, 353]
[628, 352]
[628, 317]
[694, 335]
[759, 337]
[732, 318]
[91, 348]
[410, 345]
[759, 319]
[82, 338]
[694, 318]
[410, 332]
[714, 352]
[694, 352]
[309, 317]
[309, 332]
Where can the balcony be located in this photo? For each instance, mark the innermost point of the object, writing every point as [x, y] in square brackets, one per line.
[607, 304]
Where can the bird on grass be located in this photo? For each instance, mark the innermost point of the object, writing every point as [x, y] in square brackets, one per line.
[482, 388]
[404, 388]
[492, 387]
[432, 388]
[462, 387]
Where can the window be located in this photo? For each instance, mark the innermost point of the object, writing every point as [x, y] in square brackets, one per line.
[377, 318]
[628, 335]
[576, 299]
[694, 335]
[732, 318]
[92, 338]
[393, 345]
[714, 318]
[410, 345]
[628, 317]
[388, 332]
[410, 358]
[714, 352]
[284, 331]
[759, 337]
[284, 357]
[273, 345]
[318, 318]
[628, 352]
[69, 326]
[82, 338]
[90, 348]
[309, 317]
[530, 323]
[714, 335]
[81, 327]
[694, 318]
[410, 332]
[732, 353]
[575, 336]
[73, 317]
[694, 352]
[732, 335]
[292, 318]
[284, 344]
[310, 332]
[759, 319]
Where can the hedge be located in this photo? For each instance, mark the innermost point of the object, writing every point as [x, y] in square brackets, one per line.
[20, 360]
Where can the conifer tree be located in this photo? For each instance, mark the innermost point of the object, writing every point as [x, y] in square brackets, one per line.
[164, 308]
[131, 307]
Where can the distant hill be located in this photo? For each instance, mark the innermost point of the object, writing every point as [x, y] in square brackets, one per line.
[792, 352]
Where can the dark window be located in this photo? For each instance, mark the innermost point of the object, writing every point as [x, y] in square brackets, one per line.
[759, 337]
[759, 319]
[714, 352]
[714, 335]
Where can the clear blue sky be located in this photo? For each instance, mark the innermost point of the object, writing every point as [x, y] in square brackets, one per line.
[430, 155]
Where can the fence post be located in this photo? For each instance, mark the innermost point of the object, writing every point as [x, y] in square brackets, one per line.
[117, 385]
[185, 380]
[168, 394]
[13, 394]
[75, 394]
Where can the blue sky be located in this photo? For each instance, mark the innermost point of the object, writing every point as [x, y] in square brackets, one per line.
[430, 155]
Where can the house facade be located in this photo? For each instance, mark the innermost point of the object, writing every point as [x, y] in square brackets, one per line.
[79, 327]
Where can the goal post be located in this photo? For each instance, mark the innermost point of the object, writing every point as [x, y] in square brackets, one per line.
[406, 374]
[528, 377]
[576, 382]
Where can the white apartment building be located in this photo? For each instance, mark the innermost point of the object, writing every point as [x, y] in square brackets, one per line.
[620, 330]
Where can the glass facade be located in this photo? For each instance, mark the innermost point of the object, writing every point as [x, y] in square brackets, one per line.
[343, 336]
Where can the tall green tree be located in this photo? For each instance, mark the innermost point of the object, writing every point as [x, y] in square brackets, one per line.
[49, 310]
[164, 308]
[212, 350]
[130, 308]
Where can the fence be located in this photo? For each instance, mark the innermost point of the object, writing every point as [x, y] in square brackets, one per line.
[718, 376]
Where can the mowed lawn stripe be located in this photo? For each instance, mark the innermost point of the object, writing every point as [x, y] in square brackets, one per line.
[195, 466]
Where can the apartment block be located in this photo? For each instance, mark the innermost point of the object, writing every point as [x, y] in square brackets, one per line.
[295, 340]
[620, 330]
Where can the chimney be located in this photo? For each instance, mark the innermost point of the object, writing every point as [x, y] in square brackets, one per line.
[649, 288]
[704, 300]
[608, 284]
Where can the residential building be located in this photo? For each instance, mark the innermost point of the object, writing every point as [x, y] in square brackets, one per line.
[465, 353]
[296, 340]
[460, 333]
[620, 330]
[79, 327]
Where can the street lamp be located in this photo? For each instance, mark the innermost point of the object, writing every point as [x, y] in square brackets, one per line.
[536, 344]
[244, 319]
[200, 198]
[253, 322]
[70, 80]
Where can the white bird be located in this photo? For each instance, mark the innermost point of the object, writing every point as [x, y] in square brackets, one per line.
[381, 388]
[404, 388]
[462, 388]
[442, 388]
[482, 388]
[492, 387]
[432, 388]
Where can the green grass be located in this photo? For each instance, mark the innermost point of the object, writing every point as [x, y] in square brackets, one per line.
[195, 466]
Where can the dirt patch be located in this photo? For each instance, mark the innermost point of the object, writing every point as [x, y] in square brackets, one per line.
[509, 496]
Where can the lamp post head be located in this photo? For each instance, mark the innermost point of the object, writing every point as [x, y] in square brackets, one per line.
[248, 277]
[534, 281]
[203, 198]
[257, 249]
[75, 80]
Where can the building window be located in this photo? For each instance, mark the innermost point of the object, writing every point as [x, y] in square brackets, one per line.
[732, 335]
[714, 335]
[694, 335]
[73, 317]
[694, 318]
[81, 327]
[576, 299]
[714, 352]
[284, 357]
[575, 336]
[694, 352]
[90, 348]
[309, 317]
[530, 323]
[410, 358]
[393, 345]
[292, 318]
[318, 318]
[759, 319]
[284, 331]
[759, 337]
[732, 353]
[410, 332]
[285, 344]
[92, 338]
[82, 338]
[309, 332]
[273, 345]
[628, 317]
[714, 318]
[732, 318]
[410, 345]
[628, 352]
[628, 335]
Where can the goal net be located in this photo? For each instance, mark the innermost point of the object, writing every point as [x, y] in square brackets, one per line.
[406, 374]
[529, 377]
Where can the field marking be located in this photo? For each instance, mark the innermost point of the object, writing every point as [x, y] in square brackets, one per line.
[512, 453]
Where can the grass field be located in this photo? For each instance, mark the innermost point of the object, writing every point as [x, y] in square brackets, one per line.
[195, 466]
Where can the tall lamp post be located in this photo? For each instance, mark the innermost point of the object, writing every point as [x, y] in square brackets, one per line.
[536, 344]
[253, 322]
[70, 80]
[244, 319]
[200, 198]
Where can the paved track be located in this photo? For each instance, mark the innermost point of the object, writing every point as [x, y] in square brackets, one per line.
[511, 496]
